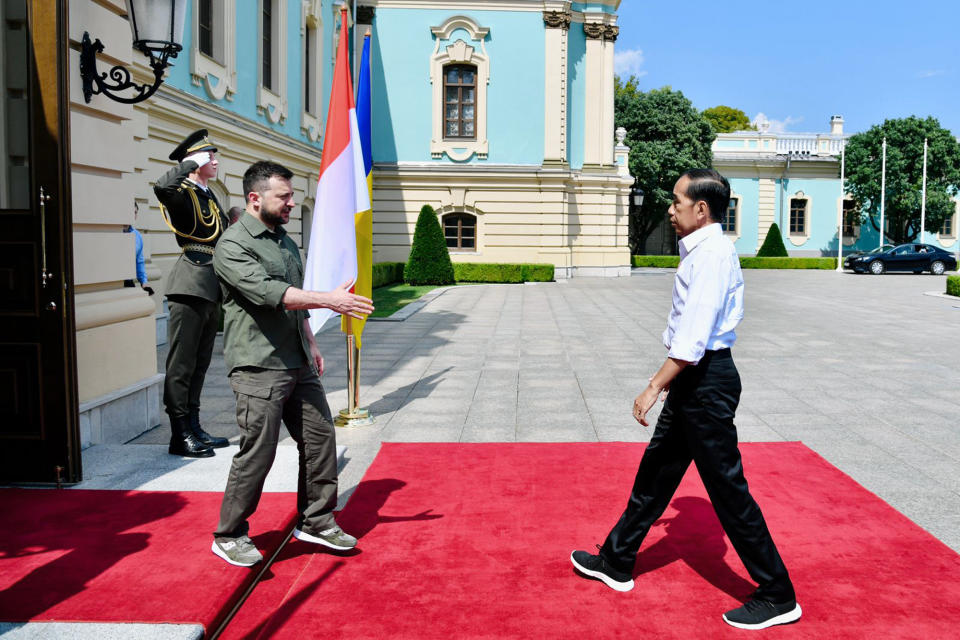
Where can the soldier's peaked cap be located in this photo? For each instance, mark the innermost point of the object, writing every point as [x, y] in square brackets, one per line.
[196, 141]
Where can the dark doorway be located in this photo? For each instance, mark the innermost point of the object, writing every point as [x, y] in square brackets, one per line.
[39, 434]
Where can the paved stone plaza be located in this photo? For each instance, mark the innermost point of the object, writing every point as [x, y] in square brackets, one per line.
[862, 369]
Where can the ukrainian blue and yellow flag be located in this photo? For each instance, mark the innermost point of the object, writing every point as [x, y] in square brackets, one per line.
[364, 219]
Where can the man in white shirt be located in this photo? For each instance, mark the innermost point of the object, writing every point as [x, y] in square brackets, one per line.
[696, 423]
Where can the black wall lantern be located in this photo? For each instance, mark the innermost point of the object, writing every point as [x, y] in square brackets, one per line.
[636, 196]
[157, 27]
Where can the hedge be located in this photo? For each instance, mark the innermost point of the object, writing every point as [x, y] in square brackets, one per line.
[663, 262]
[953, 285]
[787, 263]
[746, 262]
[385, 273]
[487, 272]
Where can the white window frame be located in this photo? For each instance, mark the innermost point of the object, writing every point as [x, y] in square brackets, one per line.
[311, 19]
[480, 230]
[273, 104]
[951, 237]
[459, 52]
[798, 239]
[735, 234]
[217, 75]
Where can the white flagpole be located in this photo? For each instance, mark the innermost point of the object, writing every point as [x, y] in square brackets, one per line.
[883, 187]
[923, 196]
[843, 193]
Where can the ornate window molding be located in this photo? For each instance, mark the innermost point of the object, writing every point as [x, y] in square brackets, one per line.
[272, 92]
[217, 74]
[459, 52]
[798, 238]
[311, 32]
[473, 217]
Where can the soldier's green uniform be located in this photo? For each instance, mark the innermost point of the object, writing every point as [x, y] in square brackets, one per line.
[193, 294]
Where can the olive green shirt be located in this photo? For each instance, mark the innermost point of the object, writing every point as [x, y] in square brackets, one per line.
[255, 267]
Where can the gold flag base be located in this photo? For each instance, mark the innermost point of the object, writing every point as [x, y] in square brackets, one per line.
[353, 416]
[359, 418]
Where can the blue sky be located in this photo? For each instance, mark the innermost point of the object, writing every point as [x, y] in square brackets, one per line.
[800, 62]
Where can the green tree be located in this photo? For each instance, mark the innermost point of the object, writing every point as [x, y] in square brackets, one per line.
[667, 136]
[904, 175]
[725, 119]
[772, 246]
[429, 261]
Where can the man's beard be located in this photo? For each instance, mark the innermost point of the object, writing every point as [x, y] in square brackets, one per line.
[274, 218]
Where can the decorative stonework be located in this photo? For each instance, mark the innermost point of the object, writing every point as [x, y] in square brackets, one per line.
[611, 32]
[272, 105]
[217, 74]
[557, 19]
[459, 52]
[594, 30]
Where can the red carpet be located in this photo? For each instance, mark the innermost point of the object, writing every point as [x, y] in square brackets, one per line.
[473, 541]
[123, 556]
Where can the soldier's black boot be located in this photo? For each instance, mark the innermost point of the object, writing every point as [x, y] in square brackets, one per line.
[204, 437]
[183, 442]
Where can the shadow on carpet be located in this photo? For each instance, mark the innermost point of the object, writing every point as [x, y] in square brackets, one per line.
[124, 556]
[473, 541]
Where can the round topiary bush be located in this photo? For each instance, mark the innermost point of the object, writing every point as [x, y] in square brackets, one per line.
[429, 261]
[772, 246]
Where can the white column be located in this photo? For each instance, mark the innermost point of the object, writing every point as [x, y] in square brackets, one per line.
[610, 36]
[594, 93]
[557, 24]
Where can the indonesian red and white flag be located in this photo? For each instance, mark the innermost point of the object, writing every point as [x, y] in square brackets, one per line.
[341, 191]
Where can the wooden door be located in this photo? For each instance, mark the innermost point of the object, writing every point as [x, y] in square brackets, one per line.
[39, 432]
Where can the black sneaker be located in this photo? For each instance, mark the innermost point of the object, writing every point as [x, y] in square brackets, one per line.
[760, 614]
[596, 567]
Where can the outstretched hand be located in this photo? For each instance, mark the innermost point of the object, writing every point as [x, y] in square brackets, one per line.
[350, 304]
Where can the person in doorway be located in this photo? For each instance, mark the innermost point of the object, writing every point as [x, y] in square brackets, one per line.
[192, 212]
[702, 390]
[274, 367]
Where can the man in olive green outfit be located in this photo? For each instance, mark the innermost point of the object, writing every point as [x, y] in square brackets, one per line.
[274, 367]
[193, 294]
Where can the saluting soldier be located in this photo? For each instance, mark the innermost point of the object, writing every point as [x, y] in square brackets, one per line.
[197, 220]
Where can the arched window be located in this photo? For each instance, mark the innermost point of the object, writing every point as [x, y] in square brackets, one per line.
[460, 231]
[460, 99]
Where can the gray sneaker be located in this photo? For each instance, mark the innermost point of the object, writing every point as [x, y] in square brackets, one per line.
[334, 537]
[238, 551]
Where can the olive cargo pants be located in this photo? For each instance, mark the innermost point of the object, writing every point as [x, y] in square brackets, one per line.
[264, 398]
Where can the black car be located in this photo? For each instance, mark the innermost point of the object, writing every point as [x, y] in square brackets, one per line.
[912, 256]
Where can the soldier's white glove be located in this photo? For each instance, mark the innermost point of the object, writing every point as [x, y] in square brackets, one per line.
[200, 157]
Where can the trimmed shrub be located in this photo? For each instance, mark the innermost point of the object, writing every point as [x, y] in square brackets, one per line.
[760, 262]
[385, 273]
[772, 246]
[429, 261]
[746, 262]
[953, 285]
[663, 262]
[487, 272]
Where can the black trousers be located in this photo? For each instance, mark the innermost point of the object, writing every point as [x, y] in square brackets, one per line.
[696, 424]
[191, 332]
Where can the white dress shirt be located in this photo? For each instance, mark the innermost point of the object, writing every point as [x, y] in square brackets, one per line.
[707, 296]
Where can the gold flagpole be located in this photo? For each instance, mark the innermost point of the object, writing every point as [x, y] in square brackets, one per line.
[353, 416]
